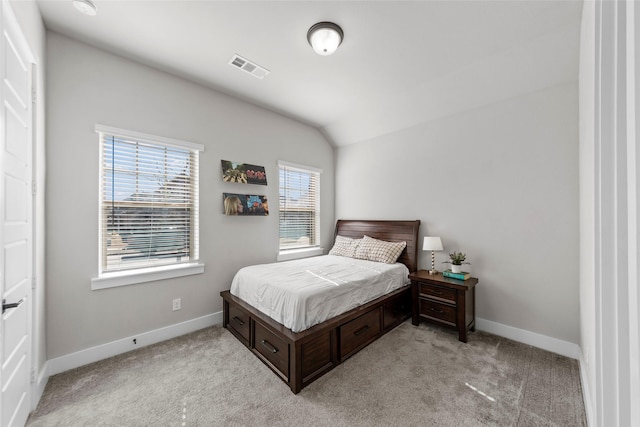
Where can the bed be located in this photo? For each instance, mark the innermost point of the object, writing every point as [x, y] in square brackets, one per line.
[303, 356]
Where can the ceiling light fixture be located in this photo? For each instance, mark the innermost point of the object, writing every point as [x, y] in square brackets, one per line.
[85, 6]
[325, 37]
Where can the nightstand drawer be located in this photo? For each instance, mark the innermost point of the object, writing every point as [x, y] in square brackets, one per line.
[438, 311]
[438, 292]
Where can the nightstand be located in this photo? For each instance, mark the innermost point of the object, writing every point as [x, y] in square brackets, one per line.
[445, 301]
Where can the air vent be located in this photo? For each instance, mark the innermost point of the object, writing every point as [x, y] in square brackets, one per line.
[250, 67]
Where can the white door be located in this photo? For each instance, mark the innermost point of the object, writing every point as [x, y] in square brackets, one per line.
[16, 247]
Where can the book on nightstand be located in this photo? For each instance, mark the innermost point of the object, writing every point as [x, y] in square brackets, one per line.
[460, 276]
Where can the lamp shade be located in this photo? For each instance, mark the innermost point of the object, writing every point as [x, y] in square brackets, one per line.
[325, 37]
[432, 243]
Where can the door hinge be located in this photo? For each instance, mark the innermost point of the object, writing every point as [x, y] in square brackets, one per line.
[34, 96]
[33, 282]
[33, 188]
[33, 375]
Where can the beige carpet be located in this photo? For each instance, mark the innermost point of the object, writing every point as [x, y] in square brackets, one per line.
[413, 376]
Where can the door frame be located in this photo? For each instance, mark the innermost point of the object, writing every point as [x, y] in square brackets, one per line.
[8, 18]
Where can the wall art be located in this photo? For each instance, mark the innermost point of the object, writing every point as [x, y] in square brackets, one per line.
[245, 204]
[243, 173]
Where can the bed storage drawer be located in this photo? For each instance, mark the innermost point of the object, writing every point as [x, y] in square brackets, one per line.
[272, 349]
[359, 332]
[239, 322]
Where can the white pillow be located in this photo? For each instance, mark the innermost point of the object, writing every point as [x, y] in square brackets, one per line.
[344, 246]
[379, 250]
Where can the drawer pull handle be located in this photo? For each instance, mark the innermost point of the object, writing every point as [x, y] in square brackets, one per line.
[436, 292]
[237, 319]
[268, 346]
[437, 311]
[361, 330]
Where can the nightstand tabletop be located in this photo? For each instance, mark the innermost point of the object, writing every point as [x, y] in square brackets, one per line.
[439, 279]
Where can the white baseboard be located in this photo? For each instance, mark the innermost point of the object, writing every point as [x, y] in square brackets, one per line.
[39, 385]
[564, 348]
[586, 391]
[94, 354]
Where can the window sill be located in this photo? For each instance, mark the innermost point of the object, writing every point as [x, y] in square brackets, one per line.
[299, 253]
[123, 278]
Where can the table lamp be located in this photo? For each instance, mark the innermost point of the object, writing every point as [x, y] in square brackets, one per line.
[432, 244]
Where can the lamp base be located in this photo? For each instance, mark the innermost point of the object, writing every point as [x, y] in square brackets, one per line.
[433, 264]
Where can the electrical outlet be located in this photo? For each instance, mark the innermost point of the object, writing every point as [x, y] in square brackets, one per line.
[177, 304]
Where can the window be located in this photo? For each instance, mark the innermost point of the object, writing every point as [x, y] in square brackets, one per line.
[148, 202]
[299, 207]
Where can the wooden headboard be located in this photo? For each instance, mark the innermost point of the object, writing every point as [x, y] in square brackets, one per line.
[391, 231]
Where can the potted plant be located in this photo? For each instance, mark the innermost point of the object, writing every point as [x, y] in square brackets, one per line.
[456, 259]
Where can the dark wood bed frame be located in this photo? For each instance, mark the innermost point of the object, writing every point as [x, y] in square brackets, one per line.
[299, 358]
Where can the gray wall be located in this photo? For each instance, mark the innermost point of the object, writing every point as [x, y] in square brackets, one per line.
[86, 86]
[499, 183]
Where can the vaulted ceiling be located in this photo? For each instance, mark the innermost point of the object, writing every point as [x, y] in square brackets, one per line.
[402, 63]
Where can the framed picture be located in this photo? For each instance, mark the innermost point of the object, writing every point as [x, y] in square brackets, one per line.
[243, 173]
[245, 204]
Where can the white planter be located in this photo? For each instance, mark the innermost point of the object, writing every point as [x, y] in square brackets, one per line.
[456, 268]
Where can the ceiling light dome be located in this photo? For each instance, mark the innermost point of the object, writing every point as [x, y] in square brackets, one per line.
[85, 6]
[325, 37]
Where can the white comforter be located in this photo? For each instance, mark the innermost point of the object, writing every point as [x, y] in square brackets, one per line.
[303, 293]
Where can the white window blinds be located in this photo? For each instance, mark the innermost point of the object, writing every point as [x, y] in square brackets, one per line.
[299, 206]
[148, 201]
